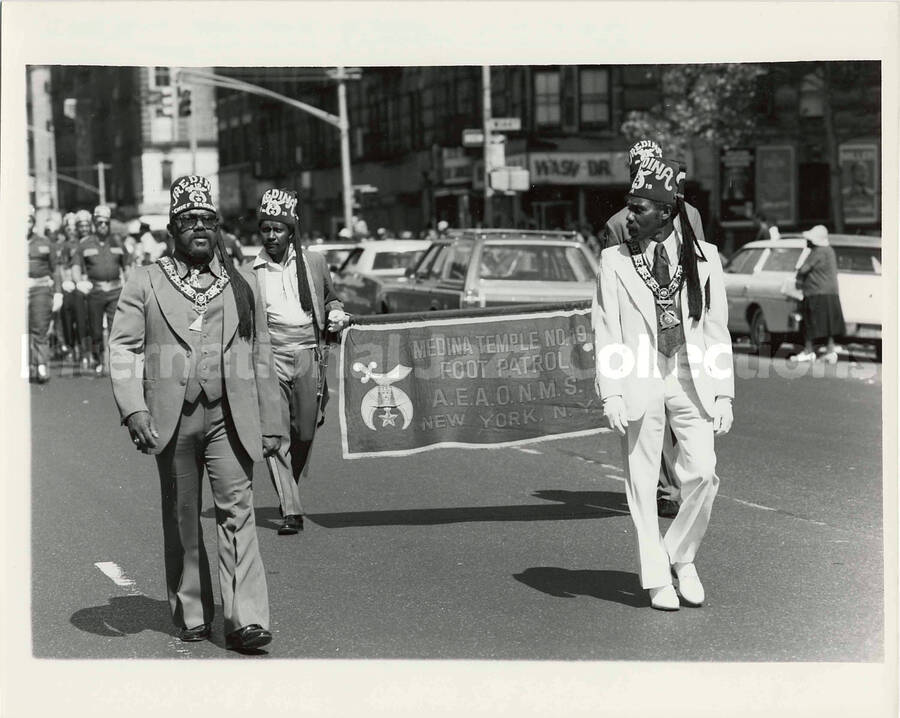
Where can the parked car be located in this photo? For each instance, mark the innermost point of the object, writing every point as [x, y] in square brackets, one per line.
[756, 274]
[335, 252]
[360, 279]
[492, 267]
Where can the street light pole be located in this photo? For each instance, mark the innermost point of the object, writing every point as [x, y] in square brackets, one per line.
[344, 127]
[486, 107]
[101, 182]
[201, 77]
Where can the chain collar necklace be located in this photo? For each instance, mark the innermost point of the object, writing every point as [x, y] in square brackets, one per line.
[663, 295]
[199, 300]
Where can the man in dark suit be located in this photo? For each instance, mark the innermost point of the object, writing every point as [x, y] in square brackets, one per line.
[615, 232]
[301, 307]
[193, 378]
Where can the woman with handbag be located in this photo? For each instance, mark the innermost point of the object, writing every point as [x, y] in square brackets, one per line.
[821, 305]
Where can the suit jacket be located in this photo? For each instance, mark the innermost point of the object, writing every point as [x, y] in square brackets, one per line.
[615, 231]
[319, 277]
[150, 360]
[623, 315]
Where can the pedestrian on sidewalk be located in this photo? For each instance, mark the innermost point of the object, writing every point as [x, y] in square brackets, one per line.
[817, 278]
[301, 309]
[193, 378]
[665, 290]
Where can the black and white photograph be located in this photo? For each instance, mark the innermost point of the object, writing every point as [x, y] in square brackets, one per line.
[451, 358]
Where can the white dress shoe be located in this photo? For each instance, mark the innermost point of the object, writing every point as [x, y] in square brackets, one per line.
[689, 585]
[664, 598]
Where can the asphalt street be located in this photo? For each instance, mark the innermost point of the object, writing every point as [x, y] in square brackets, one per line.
[523, 553]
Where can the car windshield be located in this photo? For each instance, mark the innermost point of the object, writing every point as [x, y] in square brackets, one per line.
[782, 259]
[859, 260]
[535, 263]
[336, 257]
[395, 260]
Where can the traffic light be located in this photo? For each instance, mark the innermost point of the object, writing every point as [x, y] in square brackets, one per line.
[184, 103]
[166, 102]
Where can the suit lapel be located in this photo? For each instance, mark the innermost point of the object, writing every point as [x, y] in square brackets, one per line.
[172, 304]
[229, 315]
[638, 291]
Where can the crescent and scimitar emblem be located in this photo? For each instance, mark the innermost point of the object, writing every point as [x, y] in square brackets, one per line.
[382, 400]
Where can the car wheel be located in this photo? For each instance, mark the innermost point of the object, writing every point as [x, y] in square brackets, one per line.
[766, 342]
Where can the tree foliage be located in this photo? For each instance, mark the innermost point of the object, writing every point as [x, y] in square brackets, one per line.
[713, 102]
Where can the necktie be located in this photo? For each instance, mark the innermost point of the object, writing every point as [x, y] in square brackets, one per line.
[669, 339]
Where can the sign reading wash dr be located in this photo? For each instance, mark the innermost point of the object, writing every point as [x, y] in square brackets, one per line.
[578, 168]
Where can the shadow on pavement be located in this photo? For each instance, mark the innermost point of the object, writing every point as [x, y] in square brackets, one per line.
[615, 586]
[123, 616]
[572, 505]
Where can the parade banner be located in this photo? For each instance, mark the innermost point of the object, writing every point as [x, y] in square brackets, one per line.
[467, 381]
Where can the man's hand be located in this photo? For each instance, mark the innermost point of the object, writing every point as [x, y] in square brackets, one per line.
[68, 286]
[271, 444]
[143, 431]
[723, 415]
[57, 302]
[338, 319]
[614, 411]
[84, 286]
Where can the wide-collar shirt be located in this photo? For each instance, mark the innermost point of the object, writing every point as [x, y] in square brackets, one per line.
[209, 273]
[282, 292]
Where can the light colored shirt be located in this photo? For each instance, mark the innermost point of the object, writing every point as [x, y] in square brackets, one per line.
[672, 243]
[282, 293]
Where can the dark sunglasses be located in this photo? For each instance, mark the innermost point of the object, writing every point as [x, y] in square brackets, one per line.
[184, 223]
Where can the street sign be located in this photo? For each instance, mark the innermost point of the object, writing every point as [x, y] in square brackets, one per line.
[473, 138]
[505, 124]
[510, 179]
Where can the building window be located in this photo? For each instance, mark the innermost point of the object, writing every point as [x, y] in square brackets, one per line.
[594, 95]
[546, 99]
[812, 95]
[640, 87]
[166, 173]
[161, 77]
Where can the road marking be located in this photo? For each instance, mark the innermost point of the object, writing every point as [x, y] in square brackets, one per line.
[528, 451]
[610, 466]
[115, 574]
[615, 478]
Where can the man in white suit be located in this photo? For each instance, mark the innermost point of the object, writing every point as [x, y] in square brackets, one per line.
[660, 319]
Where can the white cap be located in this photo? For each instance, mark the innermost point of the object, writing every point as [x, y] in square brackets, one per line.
[818, 235]
[345, 233]
[442, 225]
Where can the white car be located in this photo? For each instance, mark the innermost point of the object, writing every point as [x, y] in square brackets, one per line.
[757, 273]
[360, 279]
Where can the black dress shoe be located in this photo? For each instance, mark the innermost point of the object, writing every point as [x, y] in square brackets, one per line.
[291, 524]
[248, 638]
[667, 508]
[198, 633]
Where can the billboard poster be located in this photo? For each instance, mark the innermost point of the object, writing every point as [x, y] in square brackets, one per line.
[736, 192]
[776, 183]
[860, 185]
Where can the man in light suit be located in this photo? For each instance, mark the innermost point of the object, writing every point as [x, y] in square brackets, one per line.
[616, 232]
[194, 381]
[301, 306]
[660, 318]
